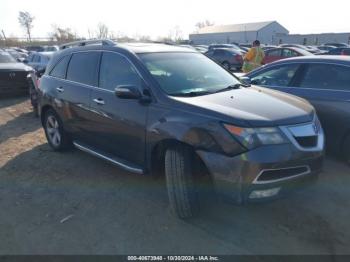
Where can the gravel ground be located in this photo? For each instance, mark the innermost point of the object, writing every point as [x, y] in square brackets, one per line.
[73, 203]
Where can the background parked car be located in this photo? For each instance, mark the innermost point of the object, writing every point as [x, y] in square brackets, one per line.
[322, 80]
[232, 46]
[20, 57]
[35, 48]
[339, 51]
[53, 48]
[13, 76]
[326, 48]
[279, 53]
[39, 61]
[229, 58]
[338, 44]
[310, 49]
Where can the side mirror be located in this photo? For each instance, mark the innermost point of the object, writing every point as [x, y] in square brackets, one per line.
[127, 92]
[246, 80]
[25, 61]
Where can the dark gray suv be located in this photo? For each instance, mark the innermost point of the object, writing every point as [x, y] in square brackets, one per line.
[152, 107]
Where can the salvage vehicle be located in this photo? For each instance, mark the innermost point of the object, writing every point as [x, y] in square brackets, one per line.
[149, 108]
[39, 60]
[325, 82]
[229, 58]
[13, 76]
[280, 53]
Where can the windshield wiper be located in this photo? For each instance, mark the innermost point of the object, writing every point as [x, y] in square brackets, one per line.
[230, 87]
[192, 94]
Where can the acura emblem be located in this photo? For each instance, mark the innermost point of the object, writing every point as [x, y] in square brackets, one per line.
[12, 75]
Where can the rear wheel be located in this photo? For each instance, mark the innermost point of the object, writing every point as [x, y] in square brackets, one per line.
[180, 181]
[55, 134]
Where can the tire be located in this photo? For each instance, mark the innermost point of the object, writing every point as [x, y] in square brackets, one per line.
[226, 65]
[55, 134]
[180, 182]
[346, 149]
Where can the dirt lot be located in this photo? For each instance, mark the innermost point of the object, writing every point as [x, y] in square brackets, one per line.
[72, 203]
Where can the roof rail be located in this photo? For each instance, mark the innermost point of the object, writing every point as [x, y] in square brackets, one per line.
[104, 42]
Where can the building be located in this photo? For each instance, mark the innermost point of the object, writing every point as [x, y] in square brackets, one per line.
[316, 39]
[266, 32]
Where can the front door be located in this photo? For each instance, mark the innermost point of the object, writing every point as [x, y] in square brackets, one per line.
[118, 124]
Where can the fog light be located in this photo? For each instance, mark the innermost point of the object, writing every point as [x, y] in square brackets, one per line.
[264, 193]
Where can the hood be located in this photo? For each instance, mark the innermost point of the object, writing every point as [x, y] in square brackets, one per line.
[254, 106]
[14, 66]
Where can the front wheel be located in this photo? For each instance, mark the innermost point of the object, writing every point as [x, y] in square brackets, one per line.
[55, 134]
[180, 181]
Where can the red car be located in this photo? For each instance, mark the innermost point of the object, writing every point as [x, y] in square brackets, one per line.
[279, 53]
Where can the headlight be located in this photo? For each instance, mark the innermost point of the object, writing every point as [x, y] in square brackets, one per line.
[254, 137]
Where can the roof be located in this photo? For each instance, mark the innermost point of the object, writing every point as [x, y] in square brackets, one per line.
[247, 27]
[153, 48]
[333, 59]
[319, 58]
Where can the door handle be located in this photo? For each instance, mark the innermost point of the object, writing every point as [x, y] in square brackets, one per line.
[99, 101]
[60, 89]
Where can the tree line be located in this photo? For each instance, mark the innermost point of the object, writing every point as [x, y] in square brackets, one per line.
[61, 34]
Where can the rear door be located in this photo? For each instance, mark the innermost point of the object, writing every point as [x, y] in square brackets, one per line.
[73, 93]
[118, 124]
[272, 55]
[327, 87]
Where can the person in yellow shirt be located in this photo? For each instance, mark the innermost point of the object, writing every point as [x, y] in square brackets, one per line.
[254, 58]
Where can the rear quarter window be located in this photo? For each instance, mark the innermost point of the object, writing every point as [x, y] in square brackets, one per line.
[60, 69]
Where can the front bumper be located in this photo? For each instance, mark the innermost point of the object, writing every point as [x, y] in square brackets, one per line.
[238, 177]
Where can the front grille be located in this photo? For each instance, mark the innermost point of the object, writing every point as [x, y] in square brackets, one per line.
[307, 141]
[279, 174]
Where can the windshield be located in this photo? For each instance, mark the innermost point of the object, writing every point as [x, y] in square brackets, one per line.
[5, 57]
[185, 73]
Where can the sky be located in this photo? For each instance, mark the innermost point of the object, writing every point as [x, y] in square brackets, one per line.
[158, 17]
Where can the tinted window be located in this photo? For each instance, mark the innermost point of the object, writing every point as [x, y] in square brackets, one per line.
[83, 67]
[346, 52]
[60, 68]
[117, 70]
[289, 53]
[219, 52]
[323, 76]
[276, 76]
[36, 59]
[274, 52]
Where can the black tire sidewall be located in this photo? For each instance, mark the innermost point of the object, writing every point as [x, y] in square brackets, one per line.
[180, 182]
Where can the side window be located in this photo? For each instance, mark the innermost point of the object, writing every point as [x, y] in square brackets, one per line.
[219, 52]
[117, 70]
[346, 52]
[276, 52]
[30, 58]
[289, 53]
[60, 68]
[325, 76]
[36, 59]
[83, 68]
[276, 76]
